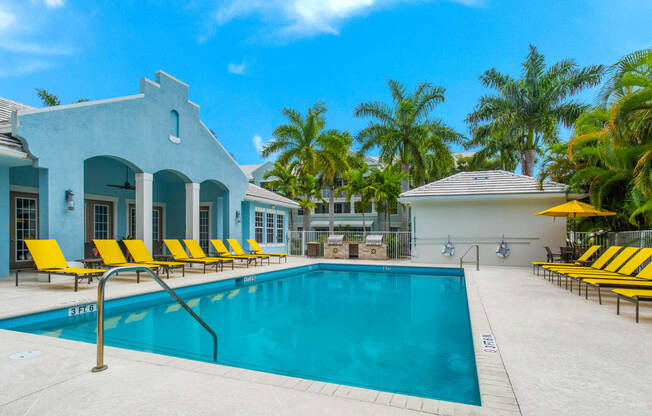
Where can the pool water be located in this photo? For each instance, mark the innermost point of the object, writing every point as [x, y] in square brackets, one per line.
[393, 331]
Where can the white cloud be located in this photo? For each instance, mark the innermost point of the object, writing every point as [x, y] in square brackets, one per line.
[301, 18]
[258, 143]
[53, 3]
[23, 68]
[238, 69]
[35, 48]
[6, 19]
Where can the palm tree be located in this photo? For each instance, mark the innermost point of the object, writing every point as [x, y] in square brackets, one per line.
[285, 182]
[48, 99]
[336, 147]
[531, 108]
[402, 128]
[386, 188]
[357, 183]
[316, 150]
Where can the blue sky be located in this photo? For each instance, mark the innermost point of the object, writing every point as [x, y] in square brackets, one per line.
[245, 60]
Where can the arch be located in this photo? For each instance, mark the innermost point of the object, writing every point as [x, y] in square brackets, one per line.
[174, 123]
[172, 175]
[216, 184]
[132, 166]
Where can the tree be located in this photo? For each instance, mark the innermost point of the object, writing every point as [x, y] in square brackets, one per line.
[49, 100]
[284, 181]
[316, 150]
[336, 147]
[357, 183]
[529, 110]
[386, 187]
[404, 129]
[498, 151]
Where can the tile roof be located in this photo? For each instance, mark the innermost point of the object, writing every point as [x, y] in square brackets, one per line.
[255, 192]
[7, 106]
[488, 182]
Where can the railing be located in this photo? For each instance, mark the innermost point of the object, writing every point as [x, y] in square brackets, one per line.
[398, 242]
[621, 238]
[477, 256]
[100, 311]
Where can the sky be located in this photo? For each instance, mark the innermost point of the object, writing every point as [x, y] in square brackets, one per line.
[246, 60]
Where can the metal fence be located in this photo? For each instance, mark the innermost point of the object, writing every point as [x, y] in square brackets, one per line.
[622, 238]
[398, 242]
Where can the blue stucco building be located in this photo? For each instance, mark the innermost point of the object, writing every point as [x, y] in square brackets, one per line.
[142, 166]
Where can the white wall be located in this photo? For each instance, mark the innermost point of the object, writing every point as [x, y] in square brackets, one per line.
[485, 220]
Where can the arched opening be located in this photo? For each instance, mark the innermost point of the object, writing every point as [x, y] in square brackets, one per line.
[109, 186]
[213, 213]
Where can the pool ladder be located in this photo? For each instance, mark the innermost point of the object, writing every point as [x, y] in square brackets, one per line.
[100, 311]
[477, 256]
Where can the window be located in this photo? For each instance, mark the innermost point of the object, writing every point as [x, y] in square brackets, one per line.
[204, 228]
[101, 222]
[156, 232]
[258, 226]
[132, 222]
[300, 211]
[25, 226]
[393, 208]
[280, 228]
[174, 123]
[342, 207]
[270, 228]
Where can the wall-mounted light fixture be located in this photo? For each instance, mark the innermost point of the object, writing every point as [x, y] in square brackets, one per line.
[70, 200]
[237, 217]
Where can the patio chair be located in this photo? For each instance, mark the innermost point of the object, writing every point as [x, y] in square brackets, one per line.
[235, 246]
[179, 254]
[196, 252]
[222, 251]
[552, 257]
[141, 254]
[614, 269]
[632, 295]
[643, 281]
[598, 264]
[112, 256]
[579, 262]
[257, 250]
[49, 259]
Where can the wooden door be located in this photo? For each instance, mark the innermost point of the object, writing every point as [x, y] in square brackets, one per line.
[24, 226]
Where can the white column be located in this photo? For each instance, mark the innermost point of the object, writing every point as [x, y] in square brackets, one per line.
[192, 211]
[144, 208]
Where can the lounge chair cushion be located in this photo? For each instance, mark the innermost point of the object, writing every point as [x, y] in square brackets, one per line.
[46, 254]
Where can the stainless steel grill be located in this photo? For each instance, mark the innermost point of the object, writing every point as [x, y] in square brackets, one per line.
[335, 240]
[374, 240]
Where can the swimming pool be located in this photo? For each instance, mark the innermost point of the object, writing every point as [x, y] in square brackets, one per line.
[391, 328]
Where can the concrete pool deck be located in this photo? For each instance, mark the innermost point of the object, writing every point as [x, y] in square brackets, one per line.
[558, 354]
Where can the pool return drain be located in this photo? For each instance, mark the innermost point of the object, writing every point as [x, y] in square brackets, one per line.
[25, 355]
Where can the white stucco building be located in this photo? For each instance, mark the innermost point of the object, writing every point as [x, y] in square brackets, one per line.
[484, 207]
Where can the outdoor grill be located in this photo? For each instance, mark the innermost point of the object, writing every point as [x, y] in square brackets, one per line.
[374, 240]
[335, 240]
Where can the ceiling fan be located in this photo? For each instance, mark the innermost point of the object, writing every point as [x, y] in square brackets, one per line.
[126, 185]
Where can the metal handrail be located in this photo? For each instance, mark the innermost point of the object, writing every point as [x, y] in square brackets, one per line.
[100, 311]
[477, 256]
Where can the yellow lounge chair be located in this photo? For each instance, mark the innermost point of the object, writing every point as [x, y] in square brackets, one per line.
[222, 251]
[235, 246]
[599, 263]
[257, 250]
[141, 254]
[196, 252]
[49, 259]
[536, 265]
[112, 256]
[612, 271]
[643, 281]
[632, 295]
[179, 254]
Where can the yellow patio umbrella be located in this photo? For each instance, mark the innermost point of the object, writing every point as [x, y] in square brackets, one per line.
[574, 209]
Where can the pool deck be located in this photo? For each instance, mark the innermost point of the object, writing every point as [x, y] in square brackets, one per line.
[558, 354]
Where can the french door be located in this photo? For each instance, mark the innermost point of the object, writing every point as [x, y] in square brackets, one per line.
[99, 223]
[24, 226]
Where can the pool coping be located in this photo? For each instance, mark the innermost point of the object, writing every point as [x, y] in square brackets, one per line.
[496, 392]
